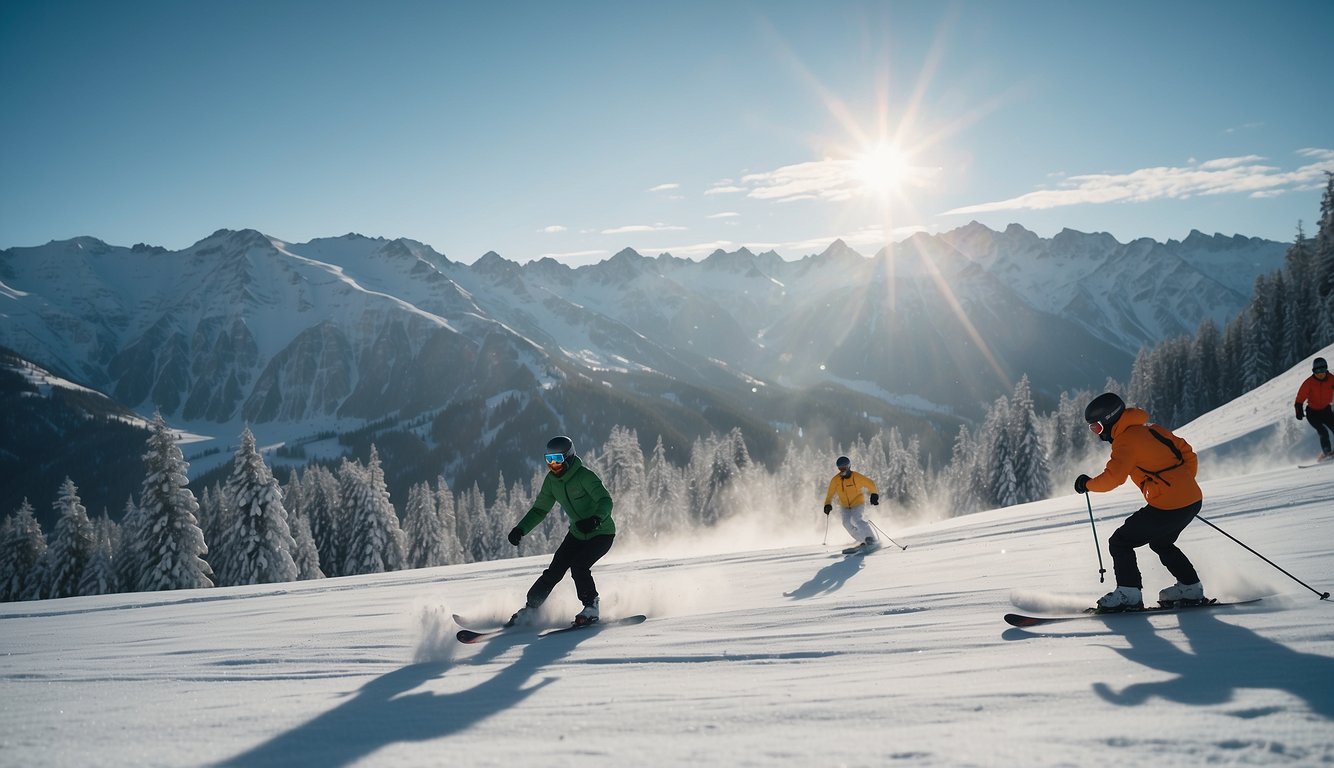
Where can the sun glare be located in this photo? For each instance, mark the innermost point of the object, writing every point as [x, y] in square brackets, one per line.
[880, 169]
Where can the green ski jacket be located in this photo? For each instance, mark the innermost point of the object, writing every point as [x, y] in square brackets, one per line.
[581, 495]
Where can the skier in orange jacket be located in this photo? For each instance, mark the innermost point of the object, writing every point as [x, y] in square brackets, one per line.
[1317, 392]
[1163, 466]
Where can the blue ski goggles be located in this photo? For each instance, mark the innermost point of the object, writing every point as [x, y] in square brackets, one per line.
[555, 458]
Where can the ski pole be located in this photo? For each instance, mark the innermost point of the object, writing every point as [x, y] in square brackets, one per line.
[882, 533]
[826, 531]
[1102, 572]
[1323, 595]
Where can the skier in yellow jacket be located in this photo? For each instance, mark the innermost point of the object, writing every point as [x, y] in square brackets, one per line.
[848, 486]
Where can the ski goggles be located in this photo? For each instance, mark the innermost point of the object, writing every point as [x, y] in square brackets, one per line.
[555, 458]
[1096, 428]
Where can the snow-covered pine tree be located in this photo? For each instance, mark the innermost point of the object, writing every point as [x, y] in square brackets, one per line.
[1000, 454]
[472, 519]
[665, 491]
[323, 507]
[1031, 470]
[173, 544]
[71, 546]
[22, 546]
[423, 529]
[375, 542]
[447, 512]
[621, 467]
[101, 577]
[305, 555]
[129, 557]
[259, 543]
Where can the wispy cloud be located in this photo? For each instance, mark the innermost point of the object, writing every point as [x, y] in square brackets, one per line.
[834, 180]
[724, 188]
[1246, 175]
[553, 229]
[723, 215]
[664, 187]
[574, 255]
[634, 228]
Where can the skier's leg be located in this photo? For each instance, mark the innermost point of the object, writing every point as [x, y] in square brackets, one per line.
[1170, 523]
[581, 571]
[854, 522]
[1323, 423]
[560, 563]
[1134, 532]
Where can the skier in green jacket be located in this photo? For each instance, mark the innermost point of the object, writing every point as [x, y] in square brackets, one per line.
[587, 504]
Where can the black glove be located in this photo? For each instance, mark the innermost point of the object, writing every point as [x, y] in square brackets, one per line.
[1299, 411]
[828, 508]
[515, 535]
[1082, 484]
[875, 499]
[588, 524]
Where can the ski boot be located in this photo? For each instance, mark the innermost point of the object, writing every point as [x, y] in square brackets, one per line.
[1182, 595]
[1121, 599]
[523, 617]
[589, 615]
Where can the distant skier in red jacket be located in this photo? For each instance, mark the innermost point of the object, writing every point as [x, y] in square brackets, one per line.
[1317, 392]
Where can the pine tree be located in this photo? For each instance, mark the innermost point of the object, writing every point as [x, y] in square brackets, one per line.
[376, 541]
[446, 510]
[1031, 469]
[323, 503]
[22, 547]
[423, 529]
[259, 543]
[173, 544]
[72, 545]
[305, 555]
[129, 557]
[101, 577]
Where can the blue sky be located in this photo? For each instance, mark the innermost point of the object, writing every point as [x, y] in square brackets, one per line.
[576, 129]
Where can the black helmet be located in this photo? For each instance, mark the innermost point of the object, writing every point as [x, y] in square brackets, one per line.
[843, 462]
[1319, 365]
[562, 445]
[1102, 412]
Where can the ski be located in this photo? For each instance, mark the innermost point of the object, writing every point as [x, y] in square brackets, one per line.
[625, 622]
[862, 549]
[1020, 620]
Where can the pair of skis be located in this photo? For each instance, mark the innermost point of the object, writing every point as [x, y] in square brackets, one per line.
[1022, 621]
[471, 636]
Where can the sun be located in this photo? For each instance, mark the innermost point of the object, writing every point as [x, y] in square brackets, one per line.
[881, 169]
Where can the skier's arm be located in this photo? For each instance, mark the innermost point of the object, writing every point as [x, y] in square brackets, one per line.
[1115, 473]
[868, 484]
[833, 487]
[541, 506]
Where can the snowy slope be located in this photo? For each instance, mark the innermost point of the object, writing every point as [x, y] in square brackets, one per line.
[762, 649]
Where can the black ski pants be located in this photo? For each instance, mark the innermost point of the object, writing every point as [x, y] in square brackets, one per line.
[1323, 422]
[1159, 528]
[576, 556]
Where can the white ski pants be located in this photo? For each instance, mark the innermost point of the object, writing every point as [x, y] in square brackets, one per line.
[856, 524]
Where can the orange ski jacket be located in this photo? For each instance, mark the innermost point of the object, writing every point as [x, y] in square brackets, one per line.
[1161, 464]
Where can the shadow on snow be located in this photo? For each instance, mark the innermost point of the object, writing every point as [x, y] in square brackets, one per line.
[1222, 660]
[382, 712]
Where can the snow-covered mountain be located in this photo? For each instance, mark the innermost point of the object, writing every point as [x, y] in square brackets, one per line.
[762, 648]
[334, 333]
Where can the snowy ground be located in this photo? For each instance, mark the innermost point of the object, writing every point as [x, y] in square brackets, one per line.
[782, 653]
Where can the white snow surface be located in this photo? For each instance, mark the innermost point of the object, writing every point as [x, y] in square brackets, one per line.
[763, 647]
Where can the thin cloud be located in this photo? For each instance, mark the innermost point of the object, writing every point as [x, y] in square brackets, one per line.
[1246, 175]
[829, 179]
[724, 189]
[634, 228]
[574, 254]
[664, 187]
[723, 215]
[553, 229]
